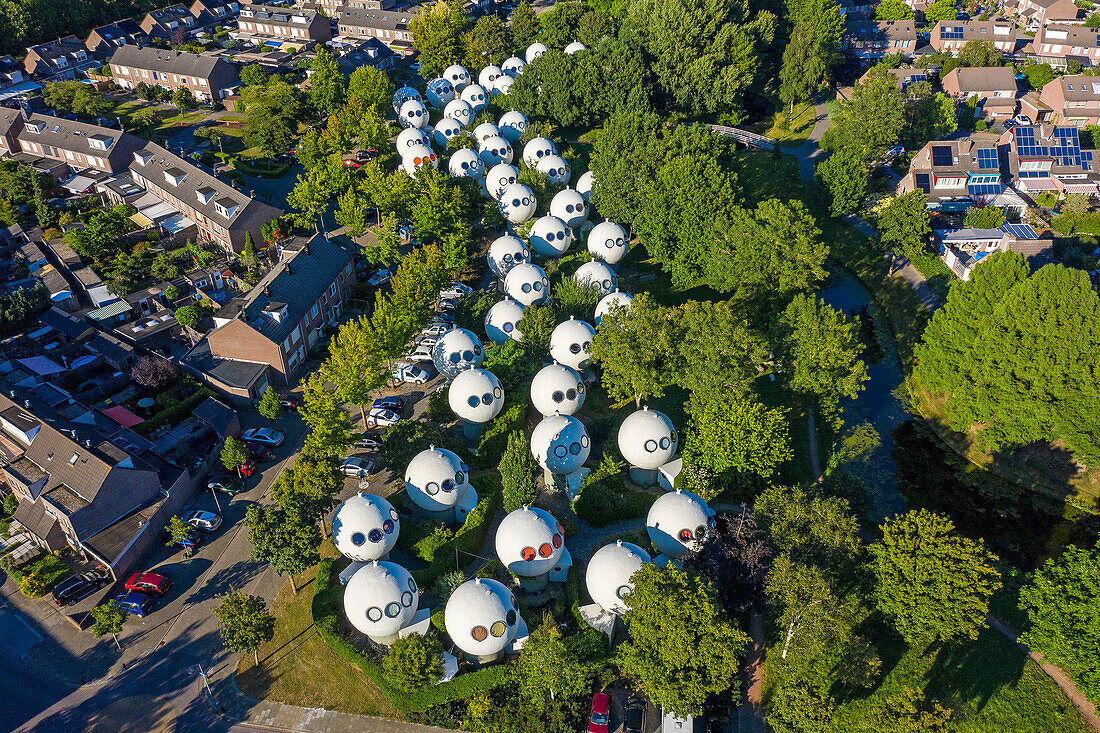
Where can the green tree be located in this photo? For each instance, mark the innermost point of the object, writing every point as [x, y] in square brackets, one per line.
[271, 116]
[844, 176]
[940, 10]
[682, 646]
[354, 364]
[716, 350]
[285, 540]
[549, 668]
[414, 662]
[440, 214]
[519, 474]
[559, 24]
[635, 348]
[893, 10]
[524, 25]
[736, 435]
[100, 237]
[803, 69]
[108, 618]
[309, 488]
[326, 84]
[929, 115]
[984, 217]
[188, 316]
[1061, 600]
[437, 35]
[253, 75]
[177, 530]
[351, 212]
[164, 268]
[310, 195]
[930, 582]
[908, 711]
[330, 425]
[1039, 75]
[234, 454]
[801, 706]
[244, 622]
[872, 119]
[184, 99]
[977, 53]
[594, 26]
[536, 325]
[269, 405]
[904, 224]
[812, 619]
[810, 528]
[372, 86]
[312, 152]
[487, 41]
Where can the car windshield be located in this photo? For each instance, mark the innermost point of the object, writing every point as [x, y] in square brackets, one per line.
[599, 718]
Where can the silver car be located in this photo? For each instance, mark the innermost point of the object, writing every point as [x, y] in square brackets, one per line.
[356, 466]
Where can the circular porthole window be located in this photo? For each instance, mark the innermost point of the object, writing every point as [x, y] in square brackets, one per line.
[406, 599]
[448, 485]
[560, 451]
[651, 445]
[685, 535]
[571, 394]
[510, 617]
[557, 396]
[486, 399]
[393, 610]
[526, 287]
[622, 590]
[459, 477]
[393, 515]
[545, 549]
[574, 348]
[358, 538]
[432, 488]
[664, 443]
[575, 448]
[374, 613]
[479, 633]
[584, 441]
[412, 585]
[527, 553]
[557, 540]
[508, 327]
[387, 526]
[472, 400]
[376, 535]
[497, 629]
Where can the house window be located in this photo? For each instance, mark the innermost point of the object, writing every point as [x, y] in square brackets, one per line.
[314, 311]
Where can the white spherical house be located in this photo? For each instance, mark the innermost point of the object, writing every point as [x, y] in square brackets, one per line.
[465, 163]
[457, 75]
[513, 66]
[550, 237]
[531, 543]
[502, 85]
[482, 619]
[608, 241]
[414, 113]
[557, 389]
[498, 178]
[597, 274]
[608, 574]
[411, 136]
[501, 321]
[459, 111]
[494, 151]
[677, 524]
[447, 128]
[365, 527]
[584, 185]
[536, 149]
[403, 95]
[517, 203]
[569, 206]
[554, 168]
[575, 47]
[456, 351]
[512, 125]
[571, 342]
[488, 76]
[485, 130]
[439, 91]
[476, 96]
[613, 300]
[647, 439]
[506, 252]
[560, 444]
[416, 156]
[535, 50]
[476, 396]
[380, 600]
[438, 482]
[527, 284]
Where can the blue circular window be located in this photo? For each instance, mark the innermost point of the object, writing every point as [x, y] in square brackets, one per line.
[358, 538]
[375, 535]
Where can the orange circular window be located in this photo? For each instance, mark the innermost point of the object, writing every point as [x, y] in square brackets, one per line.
[545, 549]
[479, 633]
[528, 553]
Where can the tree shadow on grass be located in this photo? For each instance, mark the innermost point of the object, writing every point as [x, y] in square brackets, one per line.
[972, 672]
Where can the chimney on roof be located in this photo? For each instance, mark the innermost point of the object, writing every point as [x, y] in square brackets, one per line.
[267, 290]
[87, 442]
[306, 249]
[73, 434]
[288, 270]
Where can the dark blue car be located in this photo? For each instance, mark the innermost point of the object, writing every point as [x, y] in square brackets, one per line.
[139, 604]
[395, 404]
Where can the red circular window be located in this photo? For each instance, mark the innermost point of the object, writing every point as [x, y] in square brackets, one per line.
[528, 553]
[561, 529]
[557, 540]
[545, 549]
[685, 535]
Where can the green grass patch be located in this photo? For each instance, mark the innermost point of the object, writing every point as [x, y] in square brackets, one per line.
[49, 569]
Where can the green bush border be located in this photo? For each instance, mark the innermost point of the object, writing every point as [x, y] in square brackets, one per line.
[469, 537]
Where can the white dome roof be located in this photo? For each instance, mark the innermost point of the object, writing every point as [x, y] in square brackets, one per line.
[502, 85]
[457, 350]
[575, 47]
[536, 149]
[557, 388]
[550, 237]
[414, 113]
[447, 128]
[647, 439]
[507, 251]
[476, 395]
[571, 343]
[439, 91]
[436, 479]
[609, 571]
[513, 65]
[512, 125]
[584, 184]
[485, 130]
[527, 284]
[403, 95]
[555, 168]
[612, 300]
[481, 617]
[608, 241]
[499, 177]
[501, 320]
[494, 150]
[416, 156]
[560, 443]
[569, 206]
[476, 96]
[599, 274]
[411, 136]
[457, 75]
[460, 111]
[529, 541]
[678, 522]
[365, 527]
[381, 599]
[488, 75]
[517, 203]
[535, 50]
[465, 163]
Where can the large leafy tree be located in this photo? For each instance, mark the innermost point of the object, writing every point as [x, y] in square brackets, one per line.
[244, 622]
[354, 364]
[810, 528]
[872, 119]
[904, 224]
[735, 556]
[271, 115]
[519, 474]
[682, 646]
[441, 212]
[813, 49]
[550, 668]
[717, 352]
[636, 347]
[893, 10]
[284, 539]
[736, 435]
[811, 616]
[524, 25]
[930, 582]
[940, 10]
[234, 453]
[486, 42]
[330, 425]
[979, 53]
[561, 22]
[326, 84]
[108, 618]
[414, 661]
[437, 35]
[844, 176]
[308, 488]
[929, 115]
[1062, 601]
[372, 86]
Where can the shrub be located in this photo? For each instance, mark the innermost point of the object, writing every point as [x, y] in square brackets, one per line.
[31, 585]
[414, 661]
[438, 408]
[494, 440]
[467, 539]
[427, 548]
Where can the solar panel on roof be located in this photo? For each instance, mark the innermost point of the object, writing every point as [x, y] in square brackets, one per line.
[941, 155]
[1020, 231]
[987, 158]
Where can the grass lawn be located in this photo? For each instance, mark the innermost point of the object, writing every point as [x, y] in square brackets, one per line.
[297, 667]
[51, 570]
[793, 132]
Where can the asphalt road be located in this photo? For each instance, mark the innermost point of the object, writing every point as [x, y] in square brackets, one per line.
[25, 693]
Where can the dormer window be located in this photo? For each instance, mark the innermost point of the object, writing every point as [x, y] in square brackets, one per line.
[174, 176]
[277, 311]
[62, 61]
[36, 127]
[99, 142]
[141, 157]
[205, 194]
[227, 207]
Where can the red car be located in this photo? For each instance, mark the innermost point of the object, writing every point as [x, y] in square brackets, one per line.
[150, 583]
[247, 468]
[259, 451]
[598, 716]
[352, 164]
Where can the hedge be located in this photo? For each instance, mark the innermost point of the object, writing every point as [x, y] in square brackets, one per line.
[494, 440]
[468, 538]
[328, 602]
[176, 413]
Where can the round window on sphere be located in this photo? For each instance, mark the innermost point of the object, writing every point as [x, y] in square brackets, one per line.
[432, 488]
[587, 345]
[560, 451]
[393, 610]
[479, 633]
[685, 535]
[507, 327]
[497, 629]
[575, 348]
[454, 358]
[557, 540]
[580, 388]
[412, 585]
[545, 549]
[459, 477]
[610, 243]
[507, 257]
[526, 287]
[673, 436]
[571, 394]
[711, 523]
[515, 202]
[527, 553]
[465, 165]
[664, 443]
[700, 531]
[472, 400]
[448, 485]
[387, 526]
[569, 208]
[561, 529]
[393, 515]
[510, 617]
[651, 445]
[358, 539]
[486, 399]
[375, 535]
[374, 613]
[557, 396]
[584, 441]
[575, 448]
[526, 200]
[538, 287]
[622, 590]
[467, 355]
[406, 599]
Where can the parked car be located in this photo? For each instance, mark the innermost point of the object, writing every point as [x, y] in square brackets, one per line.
[357, 466]
[894, 152]
[455, 290]
[139, 604]
[410, 374]
[435, 330]
[352, 163]
[259, 451]
[190, 543]
[382, 416]
[366, 155]
[1023, 120]
[394, 404]
[598, 716]
[153, 584]
[447, 305]
[634, 716]
[266, 436]
[206, 521]
[444, 319]
[1009, 124]
[378, 278]
[367, 444]
[245, 469]
[415, 66]
[426, 342]
[420, 353]
[232, 488]
[77, 588]
[288, 404]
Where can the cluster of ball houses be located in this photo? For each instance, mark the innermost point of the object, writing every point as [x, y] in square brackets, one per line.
[482, 618]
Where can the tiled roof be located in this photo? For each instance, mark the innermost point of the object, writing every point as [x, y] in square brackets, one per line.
[383, 19]
[984, 78]
[168, 61]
